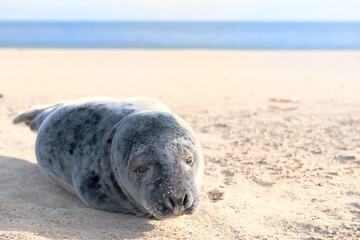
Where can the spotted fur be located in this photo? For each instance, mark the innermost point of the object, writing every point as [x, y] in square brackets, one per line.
[92, 147]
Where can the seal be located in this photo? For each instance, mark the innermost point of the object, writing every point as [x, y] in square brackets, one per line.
[121, 155]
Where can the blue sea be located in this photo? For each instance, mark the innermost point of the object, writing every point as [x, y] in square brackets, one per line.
[182, 35]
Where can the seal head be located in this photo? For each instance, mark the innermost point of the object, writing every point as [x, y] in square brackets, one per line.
[157, 161]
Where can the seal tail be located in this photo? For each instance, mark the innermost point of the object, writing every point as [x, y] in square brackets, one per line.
[34, 118]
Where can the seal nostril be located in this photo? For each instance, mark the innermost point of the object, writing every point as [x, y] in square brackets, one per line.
[186, 200]
[169, 204]
[178, 203]
[172, 203]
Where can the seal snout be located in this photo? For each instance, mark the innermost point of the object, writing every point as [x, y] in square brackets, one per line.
[178, 203]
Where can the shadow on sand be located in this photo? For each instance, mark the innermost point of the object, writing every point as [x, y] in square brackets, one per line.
[29, 203]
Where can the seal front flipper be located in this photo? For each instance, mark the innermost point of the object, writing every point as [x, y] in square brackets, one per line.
[61, 183]
[34, 118]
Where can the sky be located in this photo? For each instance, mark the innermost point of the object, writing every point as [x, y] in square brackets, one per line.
[181, 10]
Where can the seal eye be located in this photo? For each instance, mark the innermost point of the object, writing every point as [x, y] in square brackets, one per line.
[189, 161]
[141, 169]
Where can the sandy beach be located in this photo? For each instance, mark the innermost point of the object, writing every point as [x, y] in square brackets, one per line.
[280, 132]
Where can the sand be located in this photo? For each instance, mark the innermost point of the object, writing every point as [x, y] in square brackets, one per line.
[280, 133]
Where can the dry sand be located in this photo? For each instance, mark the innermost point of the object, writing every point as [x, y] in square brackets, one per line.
[275, 170]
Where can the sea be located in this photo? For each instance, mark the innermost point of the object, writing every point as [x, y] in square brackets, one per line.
[182, 35]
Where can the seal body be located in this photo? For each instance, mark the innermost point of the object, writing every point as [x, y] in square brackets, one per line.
[121, 155]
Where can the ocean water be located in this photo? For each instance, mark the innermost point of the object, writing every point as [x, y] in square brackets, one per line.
[182, 35]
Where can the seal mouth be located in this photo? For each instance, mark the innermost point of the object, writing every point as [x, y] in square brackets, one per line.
[161, 216]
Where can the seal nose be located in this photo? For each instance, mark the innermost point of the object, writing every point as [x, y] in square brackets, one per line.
[179, 203]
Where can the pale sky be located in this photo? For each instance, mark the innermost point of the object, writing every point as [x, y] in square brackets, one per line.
[252, 10]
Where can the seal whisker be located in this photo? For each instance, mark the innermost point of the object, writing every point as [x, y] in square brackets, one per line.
[135, 216]
[204, 217]
[135, 219]
[157, 224]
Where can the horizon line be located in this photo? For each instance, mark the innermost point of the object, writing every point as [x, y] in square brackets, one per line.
[173, 20]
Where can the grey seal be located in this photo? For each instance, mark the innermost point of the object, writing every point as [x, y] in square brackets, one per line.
[121, 155]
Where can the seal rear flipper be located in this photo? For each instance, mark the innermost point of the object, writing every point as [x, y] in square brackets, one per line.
[34, 118]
